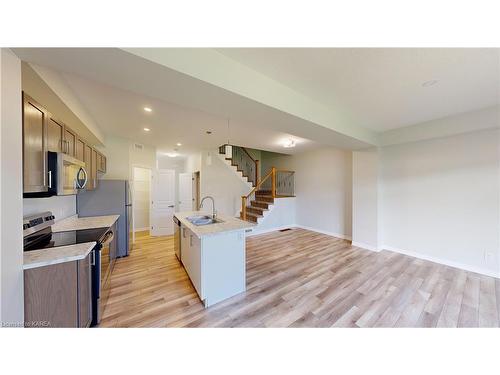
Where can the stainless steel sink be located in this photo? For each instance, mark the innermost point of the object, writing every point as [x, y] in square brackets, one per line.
[203, 220]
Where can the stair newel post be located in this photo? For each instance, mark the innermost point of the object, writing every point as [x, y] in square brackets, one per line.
[244, 207]
[273, 179]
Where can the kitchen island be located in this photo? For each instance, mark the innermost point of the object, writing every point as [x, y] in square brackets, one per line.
[214, 255]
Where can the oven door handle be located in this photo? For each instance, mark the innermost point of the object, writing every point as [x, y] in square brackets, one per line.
[108, 238]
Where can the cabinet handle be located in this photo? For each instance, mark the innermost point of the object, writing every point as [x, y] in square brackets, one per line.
[191, 240]
[50, 179]
[92, 262]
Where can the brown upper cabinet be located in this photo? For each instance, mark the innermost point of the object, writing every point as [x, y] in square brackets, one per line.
[80, 149]
[70, 139]
[60, 138]
[101, 163]
[35, 174]
[43, 132]
[87, 158]
[55, 135]
[94, 168]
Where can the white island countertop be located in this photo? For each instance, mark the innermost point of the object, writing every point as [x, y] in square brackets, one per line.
[81, 223]
[55, 255]
[228, 224]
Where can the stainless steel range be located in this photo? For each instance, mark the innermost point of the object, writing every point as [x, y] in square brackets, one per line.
[38, 235]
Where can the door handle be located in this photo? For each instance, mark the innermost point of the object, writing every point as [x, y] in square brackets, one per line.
[172, 206]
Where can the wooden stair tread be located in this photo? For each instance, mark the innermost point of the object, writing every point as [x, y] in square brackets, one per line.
[266, 202]
[254, 214]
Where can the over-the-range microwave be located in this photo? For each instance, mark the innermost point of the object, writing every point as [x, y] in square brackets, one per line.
[66, 175]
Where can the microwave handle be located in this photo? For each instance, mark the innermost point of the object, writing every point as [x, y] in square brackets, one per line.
[50, 179]
[82, 186]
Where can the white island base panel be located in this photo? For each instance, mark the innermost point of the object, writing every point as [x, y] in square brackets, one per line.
[215, 264]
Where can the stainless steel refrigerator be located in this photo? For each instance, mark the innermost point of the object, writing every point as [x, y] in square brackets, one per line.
[111, 197]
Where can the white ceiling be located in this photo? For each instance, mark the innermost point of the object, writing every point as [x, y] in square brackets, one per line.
[381, 88]
[121, 113]
[376, 89]
[114, 86]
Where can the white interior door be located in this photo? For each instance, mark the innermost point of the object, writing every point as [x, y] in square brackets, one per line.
[186, 192]
[163, 202]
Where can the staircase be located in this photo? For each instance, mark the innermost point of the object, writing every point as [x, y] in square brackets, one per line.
[277, 183]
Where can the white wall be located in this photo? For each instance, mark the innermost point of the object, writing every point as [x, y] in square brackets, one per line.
[281, 215]
[222, 183]
[117, 158]
[193, 162]
[61, 206]
[142, 198]
[365, 196]
[122, 156]
[323, 186]
[440, 200]
[11, 204]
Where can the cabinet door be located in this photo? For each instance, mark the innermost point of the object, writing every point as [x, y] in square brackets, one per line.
[184, 245]
[80, 149]
[55, 135]
[85, 291]
[34, 146]
[103, 164]
[70, 141]
[195, 275]
[87, 158]
[191, 258]
[94, 167]
[51, 296]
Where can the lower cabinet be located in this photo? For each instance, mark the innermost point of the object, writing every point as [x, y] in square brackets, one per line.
[85, 291]
[191, 258]
[215, 264]
[59, 295]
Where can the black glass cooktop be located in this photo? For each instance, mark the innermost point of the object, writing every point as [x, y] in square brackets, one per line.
[45, 238]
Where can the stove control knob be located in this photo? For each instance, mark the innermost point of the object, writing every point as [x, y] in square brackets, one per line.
[26, 226]
[50, 217]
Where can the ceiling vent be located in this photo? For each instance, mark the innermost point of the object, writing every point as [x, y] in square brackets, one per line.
[138, 147]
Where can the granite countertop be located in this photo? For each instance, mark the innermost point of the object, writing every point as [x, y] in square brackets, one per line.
[80, 223]
[55, 255]
[229, 224]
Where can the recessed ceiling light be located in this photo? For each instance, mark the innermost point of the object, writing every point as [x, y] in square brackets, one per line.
[147, 129]
[289, 143]
[179, 144]
[171, 154]
[147, 109]
[429, 83]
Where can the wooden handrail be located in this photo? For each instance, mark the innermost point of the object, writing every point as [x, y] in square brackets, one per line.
[244, 198]
[271, 174]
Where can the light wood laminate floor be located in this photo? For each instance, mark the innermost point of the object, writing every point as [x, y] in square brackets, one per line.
[300, 278]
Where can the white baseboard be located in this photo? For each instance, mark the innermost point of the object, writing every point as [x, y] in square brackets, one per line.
[333, 234]
[256, 232]
[445, 262]
[366, 246]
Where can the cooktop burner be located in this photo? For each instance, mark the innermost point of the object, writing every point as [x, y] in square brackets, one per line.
[46, 238]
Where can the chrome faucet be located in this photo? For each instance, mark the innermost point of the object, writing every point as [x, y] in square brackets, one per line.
[214, 213]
